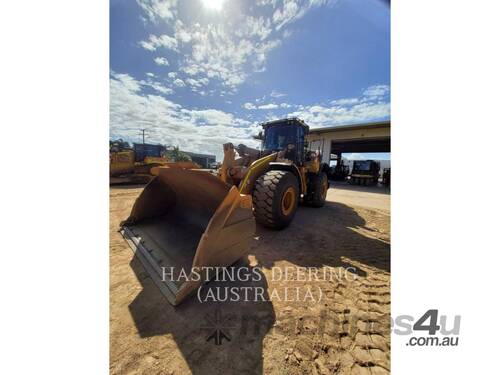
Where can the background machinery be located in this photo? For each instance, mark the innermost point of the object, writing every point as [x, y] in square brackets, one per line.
[365, 172]
[187, 219]
[133, 165]
[339, 172]
[386, 177]
[137, 165]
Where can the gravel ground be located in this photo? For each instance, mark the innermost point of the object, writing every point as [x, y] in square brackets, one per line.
[346, 331]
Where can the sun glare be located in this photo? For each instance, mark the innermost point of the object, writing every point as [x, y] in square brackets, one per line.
[213, 4]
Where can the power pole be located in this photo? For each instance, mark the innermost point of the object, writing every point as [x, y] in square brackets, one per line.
[143, 135]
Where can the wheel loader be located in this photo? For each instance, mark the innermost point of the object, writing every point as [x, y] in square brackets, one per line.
[188, 220]
[134, 165]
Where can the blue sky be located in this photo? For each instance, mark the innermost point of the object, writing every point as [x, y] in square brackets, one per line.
[199, 73]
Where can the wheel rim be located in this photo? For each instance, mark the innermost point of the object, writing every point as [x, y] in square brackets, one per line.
[288, 201]
[324, 189]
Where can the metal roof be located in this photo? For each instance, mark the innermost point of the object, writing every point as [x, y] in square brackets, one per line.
[377, 124]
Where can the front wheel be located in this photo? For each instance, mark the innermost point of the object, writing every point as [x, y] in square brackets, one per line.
[275, 199]
[317, 188]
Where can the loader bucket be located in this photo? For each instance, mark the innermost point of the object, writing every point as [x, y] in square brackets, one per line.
[188, 219]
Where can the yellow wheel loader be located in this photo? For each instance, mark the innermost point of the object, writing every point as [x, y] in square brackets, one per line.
[188, 223]
[133, 165]
[136, 165]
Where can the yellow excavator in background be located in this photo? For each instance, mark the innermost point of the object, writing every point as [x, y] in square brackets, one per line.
[188, 219]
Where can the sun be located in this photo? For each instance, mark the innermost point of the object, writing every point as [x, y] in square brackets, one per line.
[213, 4]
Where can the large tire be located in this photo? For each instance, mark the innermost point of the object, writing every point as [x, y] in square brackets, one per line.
[275, 199]
[317, 188]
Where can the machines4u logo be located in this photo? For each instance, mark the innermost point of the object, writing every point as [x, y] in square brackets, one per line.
[439, 329]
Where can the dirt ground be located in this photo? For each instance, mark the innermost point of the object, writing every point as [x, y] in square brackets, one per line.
[346, 331]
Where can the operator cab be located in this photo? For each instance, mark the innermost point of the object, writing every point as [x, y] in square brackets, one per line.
[285, 135]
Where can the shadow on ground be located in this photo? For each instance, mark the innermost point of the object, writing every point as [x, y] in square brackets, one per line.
[377, 189]
[321, 237]
[214, 338]
[328, 236]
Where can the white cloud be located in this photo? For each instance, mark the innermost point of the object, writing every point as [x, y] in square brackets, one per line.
[291, 10]
[288, 12]
[158, 9]
[127, 82]
[172, 75]
[212, 117]
[230, 48]
[345, 101]
[216, 55]
[249, 106]
[162, 89]
[132, 85]
[181, 34]
[377, 90]
[179, 82]
[268, 106]
[262, 52]
[255, 26]
[169, 123]
[197, 83]
[277, 94]
[267, 2]
[225, 52]
[320, 116]
[159, 87]
[370, 106]
[154, 42]
[161, 61]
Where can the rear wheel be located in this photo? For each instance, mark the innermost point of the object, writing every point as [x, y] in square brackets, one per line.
[275, 199]
[317, 189]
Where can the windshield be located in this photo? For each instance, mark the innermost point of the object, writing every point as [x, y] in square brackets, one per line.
[278, 137]
[362, 165]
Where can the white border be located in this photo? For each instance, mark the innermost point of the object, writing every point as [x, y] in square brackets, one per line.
[54, 79]
[54, 209]
[445, 189]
